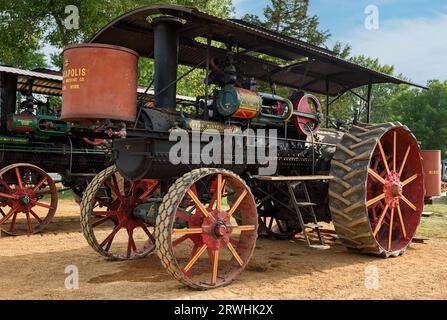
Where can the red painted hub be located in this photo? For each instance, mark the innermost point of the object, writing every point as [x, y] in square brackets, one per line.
[212, 228]
[392, 189]
[216, 229]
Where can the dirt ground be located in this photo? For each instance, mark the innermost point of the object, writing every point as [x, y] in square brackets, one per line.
[34, 268]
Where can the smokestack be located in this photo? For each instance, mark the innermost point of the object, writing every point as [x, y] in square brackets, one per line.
[166, 44]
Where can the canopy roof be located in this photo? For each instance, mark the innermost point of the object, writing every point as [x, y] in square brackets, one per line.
[43, 82]
[306, 67]
[50, 83]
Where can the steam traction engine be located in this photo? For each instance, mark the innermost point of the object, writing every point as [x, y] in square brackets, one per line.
[204, 219]
[34, 142]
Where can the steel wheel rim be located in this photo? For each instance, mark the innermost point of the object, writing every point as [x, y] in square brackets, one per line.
[228, 242]
[394, 190]
[115, 231]
[29, 196]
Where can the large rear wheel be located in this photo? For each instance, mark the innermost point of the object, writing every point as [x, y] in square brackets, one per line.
[376, 199]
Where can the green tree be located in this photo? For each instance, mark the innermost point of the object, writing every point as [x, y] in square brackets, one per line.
[291, 18]
[26, 25]
[425, 113]
[349, 104]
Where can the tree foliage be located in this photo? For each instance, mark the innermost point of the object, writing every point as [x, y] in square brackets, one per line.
[291, 18]
[26, 25]
[351, 104]
[424, 112]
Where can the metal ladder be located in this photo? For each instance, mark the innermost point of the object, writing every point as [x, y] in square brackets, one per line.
[309, 205]
[297, 205]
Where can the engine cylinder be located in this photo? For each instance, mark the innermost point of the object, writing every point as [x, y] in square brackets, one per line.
[99, 82]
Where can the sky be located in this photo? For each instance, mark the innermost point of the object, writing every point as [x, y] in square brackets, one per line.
[411, 35]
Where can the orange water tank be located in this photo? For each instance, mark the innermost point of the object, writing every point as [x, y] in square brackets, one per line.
[432, 172]
[99, 82]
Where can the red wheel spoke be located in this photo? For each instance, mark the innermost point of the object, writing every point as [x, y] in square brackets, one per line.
[148, 233]
[409, 203]
[244, 228]
[35, 216]
[3, 183]
[111, 236]
[13, 222]
[375, 200]
[115, 188]
[194, 189]
[379, 223]
[376, 176]
[198, 203]
[219, 197]
[8, 196]
[105, 213]
[187, 231]
[41, 182]
[178, 241]
[130, 244]
[40, 204]
[390, 232]
[237, 203]
[10, 213]
[30, 225]
[215, 267]
[100, 222]
[182, 216]
[412, 178]
[216, 194]
[148, 192]
[401, 220]
[235, 254]
[385, 161]
[405, 161]
[19, 179]
[194, 258]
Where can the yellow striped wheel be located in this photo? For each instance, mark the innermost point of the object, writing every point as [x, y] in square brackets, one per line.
[198, 238]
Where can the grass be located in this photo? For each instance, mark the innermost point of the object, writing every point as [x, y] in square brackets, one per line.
[63, 195]
[435, 226]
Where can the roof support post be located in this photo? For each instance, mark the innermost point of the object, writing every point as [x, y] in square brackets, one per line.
[328, 103]
[208, 45]
[368, 104]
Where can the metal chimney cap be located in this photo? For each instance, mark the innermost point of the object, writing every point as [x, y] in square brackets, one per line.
[170, 19]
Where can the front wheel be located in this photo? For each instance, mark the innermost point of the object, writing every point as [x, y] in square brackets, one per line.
[199, 241]
[110, 218]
